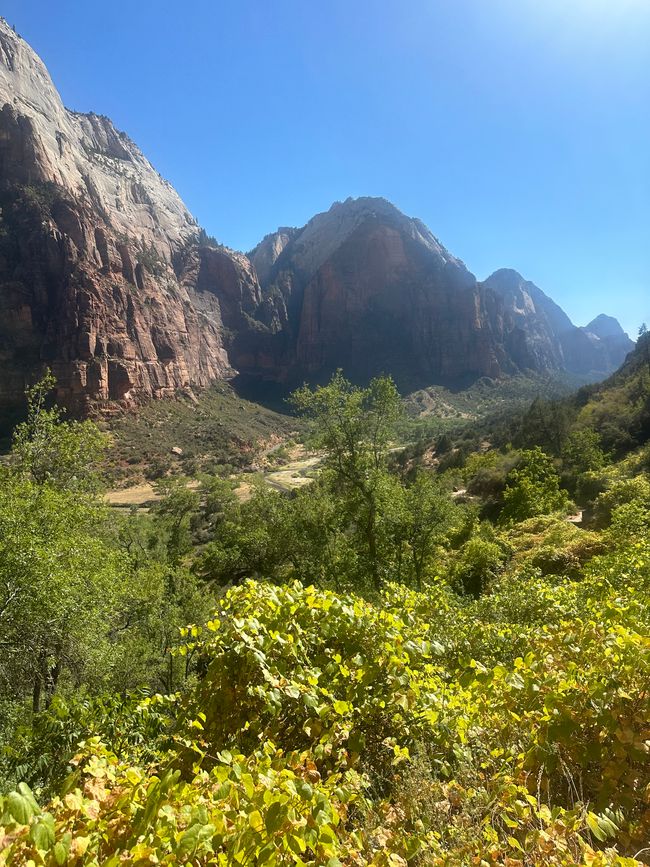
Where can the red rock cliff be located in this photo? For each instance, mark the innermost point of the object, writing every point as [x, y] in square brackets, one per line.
[103, 275]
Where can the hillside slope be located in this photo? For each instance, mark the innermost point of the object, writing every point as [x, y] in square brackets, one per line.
[619, 408]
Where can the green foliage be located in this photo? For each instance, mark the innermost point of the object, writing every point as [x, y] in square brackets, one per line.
[304, 667]
[582, 452]
[174, 510]
[629, 522]
[405, 682]
[621, 492]
[533, 488]
[206, 240]
[49, 451]
[331, 728]
[479, 561]
[354, 426]
[546, 424]
[86, 601]
[41, 754]
[485, 475]
[426, 516]
[59, 583]
[552, 546]
[619, 409]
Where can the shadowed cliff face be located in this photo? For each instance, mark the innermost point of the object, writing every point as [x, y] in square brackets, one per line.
[364, 288]
[102, 273]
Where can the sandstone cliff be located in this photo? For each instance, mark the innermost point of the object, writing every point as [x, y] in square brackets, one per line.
[103, 273]
[365, 288]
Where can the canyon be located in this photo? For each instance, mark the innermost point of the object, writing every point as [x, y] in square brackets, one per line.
[106, 278]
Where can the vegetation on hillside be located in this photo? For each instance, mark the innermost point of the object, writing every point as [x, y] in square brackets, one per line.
[216, 433]
[408, 661]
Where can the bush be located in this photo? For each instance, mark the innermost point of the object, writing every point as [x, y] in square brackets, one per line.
[621, 492]
[478, 563]
[533, 488]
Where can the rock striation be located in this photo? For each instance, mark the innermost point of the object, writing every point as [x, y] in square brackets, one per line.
[104, 274]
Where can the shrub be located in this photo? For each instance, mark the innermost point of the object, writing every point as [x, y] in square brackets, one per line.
[533, 488]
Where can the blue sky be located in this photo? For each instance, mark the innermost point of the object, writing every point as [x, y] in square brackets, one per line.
[518, 130]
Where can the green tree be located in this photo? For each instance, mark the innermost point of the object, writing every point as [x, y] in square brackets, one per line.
[546, 424]
[533, 488]
[252, 540]
[354, 427]
[59, 583]
[173, 512]
[582, 452]
[86, 600]
[49, 450]
[425, 516]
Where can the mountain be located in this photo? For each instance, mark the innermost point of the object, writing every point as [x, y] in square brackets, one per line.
[106, 278]
[553, 340]
[365, 288]
[606, 327]
[104, 274]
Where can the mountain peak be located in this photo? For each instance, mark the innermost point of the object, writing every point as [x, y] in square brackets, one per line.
[604, 326]
[327, 231]
[506, 278]
[592, 352]
[524, 298]
[24, 79]
[367, 206]
[137, 306]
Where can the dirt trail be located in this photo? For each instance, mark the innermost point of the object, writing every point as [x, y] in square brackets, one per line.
[288, 477]
[294, 474]
[138, 495]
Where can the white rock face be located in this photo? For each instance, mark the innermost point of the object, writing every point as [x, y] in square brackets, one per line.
[269, 250]
[86, 155]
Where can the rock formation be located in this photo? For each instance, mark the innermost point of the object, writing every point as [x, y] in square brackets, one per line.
[103, 273]
[553, 341]
[365, 288]
[106, 278]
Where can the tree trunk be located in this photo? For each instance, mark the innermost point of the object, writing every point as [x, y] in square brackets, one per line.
[371, 538]
[52, 682]
[36, 693]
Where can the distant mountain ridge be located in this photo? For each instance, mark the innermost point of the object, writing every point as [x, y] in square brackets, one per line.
[106, 277]
[591, 352]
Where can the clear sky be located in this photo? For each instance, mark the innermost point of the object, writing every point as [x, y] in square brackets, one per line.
[518, 130]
